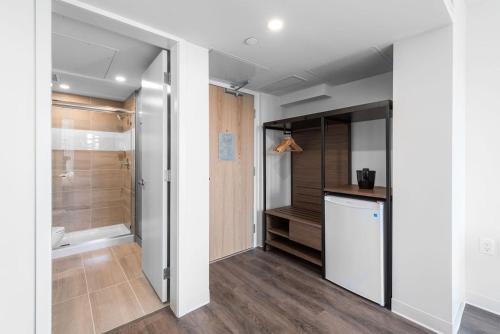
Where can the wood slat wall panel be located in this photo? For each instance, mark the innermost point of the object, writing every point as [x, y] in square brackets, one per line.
[306, 171]
[306, 166]
[337, 154]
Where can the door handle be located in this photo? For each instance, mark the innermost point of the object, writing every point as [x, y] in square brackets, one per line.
[141, 183]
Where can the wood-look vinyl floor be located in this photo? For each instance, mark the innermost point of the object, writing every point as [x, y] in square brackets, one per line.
[477, 321]
[269, 292]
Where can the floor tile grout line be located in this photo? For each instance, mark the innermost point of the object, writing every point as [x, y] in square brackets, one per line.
[113, 259]
[136, 298]
[69, 299]
[69, 269]
[88, 296]
[118, 283]
[111, 286]
[128, 281]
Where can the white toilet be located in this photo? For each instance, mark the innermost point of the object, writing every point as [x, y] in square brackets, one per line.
[57, 236]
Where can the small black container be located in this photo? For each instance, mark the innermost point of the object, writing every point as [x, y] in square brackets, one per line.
[366, 178]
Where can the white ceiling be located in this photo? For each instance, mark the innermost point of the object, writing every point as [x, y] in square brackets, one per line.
[475, 2]
[322, 40]
[88, 59]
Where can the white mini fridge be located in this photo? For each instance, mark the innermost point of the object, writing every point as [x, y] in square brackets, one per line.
[354, 246]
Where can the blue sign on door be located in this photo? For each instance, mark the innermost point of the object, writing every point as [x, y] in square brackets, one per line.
[226, 146]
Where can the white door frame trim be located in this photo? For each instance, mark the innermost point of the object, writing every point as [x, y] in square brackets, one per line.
[43, 67]
[43, 167]
[257, 153]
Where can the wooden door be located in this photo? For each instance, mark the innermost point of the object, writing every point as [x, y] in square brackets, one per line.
[231, 173]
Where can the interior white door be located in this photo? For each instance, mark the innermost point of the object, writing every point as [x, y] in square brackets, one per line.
[154, 143]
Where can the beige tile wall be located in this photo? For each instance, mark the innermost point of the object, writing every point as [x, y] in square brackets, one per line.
[98, 191]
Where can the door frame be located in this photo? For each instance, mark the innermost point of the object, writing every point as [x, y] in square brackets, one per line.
[257, 160]
[43, 177]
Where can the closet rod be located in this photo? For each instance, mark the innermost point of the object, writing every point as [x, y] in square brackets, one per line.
[71, 105]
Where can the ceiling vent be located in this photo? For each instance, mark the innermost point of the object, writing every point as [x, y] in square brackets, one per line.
[305, 95]
[231, 69]
[72, 55]
[284, 85]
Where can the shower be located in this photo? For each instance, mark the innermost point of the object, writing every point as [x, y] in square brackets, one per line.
[93, 169]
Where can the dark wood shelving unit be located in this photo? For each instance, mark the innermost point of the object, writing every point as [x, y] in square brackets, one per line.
[300, 215]
[278, 231]
[296, 231]
[297, 249]
[324, 167]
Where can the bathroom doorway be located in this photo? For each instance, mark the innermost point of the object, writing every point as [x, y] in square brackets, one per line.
[106, 271]
[96, 84]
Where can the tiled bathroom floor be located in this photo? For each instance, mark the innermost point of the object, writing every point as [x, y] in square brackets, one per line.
[97, 291]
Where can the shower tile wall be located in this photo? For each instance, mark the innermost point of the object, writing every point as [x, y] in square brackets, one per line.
[93, 166]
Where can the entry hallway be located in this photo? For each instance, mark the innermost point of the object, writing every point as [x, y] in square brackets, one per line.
[267, 292]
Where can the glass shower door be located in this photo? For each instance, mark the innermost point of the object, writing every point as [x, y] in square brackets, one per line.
[92, 173]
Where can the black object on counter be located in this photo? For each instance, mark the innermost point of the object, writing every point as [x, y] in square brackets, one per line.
[366, 178]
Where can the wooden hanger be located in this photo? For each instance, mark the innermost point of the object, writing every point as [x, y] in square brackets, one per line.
[294, 146]
[287, 144]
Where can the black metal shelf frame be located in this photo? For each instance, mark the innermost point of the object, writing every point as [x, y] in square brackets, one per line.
[365, 112]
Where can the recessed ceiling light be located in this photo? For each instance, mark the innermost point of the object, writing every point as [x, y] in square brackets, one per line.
[275, 24]
[64, 86]
[120, 78]
[251, 41]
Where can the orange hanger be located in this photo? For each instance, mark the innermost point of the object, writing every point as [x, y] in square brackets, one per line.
[287, 144]
[294, 146]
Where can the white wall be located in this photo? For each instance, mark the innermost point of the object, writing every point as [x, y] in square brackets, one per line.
[427, 222]
[190, 180]
[483, 139]
[373, 89]
[278, 168]
[422, 178]
[458, 164]
[277, 165]
[368, 149]
[17, 144]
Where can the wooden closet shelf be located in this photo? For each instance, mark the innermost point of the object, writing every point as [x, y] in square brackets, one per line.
[298, 250]
[297, 214]
[278, 231]
[353, 189]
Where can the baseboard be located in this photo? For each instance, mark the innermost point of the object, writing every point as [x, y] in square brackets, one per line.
[482, 302]
[422, 318]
